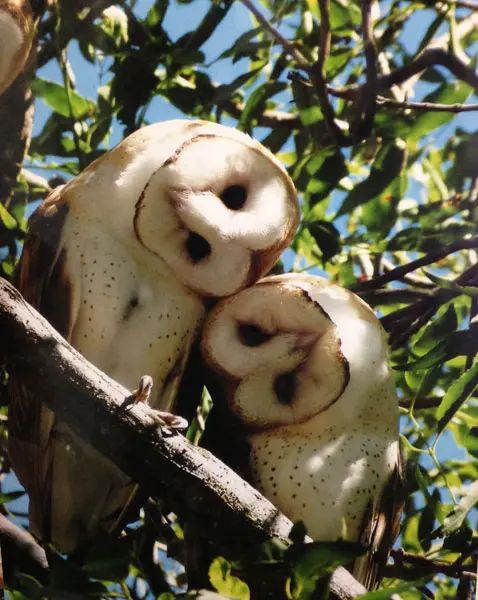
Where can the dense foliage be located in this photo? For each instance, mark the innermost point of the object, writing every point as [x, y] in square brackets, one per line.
[388, 194]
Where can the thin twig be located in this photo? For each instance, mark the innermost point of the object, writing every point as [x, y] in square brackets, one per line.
[365, 112]
[269, 118]
[318, 77]
[288, 46]
[427, 259]
[429, 58]
[421, 403]
[462, 4]
[73, 28]
[412, 566]
[427, 106]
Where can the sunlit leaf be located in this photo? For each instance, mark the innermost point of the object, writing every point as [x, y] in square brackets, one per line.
[58, 99]
[458, 392]
[220, 575]
[455, 520]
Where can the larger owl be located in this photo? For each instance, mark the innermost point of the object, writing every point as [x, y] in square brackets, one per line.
[121, 260]
[16, 37]
[303, 383]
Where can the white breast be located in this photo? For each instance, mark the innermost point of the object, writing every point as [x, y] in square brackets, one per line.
[323, 477]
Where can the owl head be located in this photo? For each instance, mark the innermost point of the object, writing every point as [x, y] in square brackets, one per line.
[293, 347]
[218, 211]
[16, 36]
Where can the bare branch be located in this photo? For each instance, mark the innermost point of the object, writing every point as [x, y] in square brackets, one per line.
[365, 112]
[269, 118]
[410, 567]
[421, 403]
[463, 4]
[427, 106]
[71, 29]
[88, 401]
[289, 47]
[428, 259]
[428, 58]
[318, 78]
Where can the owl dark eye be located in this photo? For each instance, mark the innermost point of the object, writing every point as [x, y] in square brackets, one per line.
[285, 386]
[197, 247]
[234, 197]
[252, 335]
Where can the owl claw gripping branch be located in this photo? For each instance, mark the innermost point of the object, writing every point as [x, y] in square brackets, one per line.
[178, 212]
[165, 420]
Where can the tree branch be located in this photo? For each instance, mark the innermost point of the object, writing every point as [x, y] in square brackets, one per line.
[20, 553]
[427, 106]
[428, 259]
[410, 567]
[365, 112]
[88, 401]
[289, 47]
[91, 9]
[318, 77]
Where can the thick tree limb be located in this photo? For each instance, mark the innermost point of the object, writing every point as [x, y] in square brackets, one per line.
[88, 401]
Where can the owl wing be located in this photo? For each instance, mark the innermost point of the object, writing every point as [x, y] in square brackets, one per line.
[381, 527]
[42, 280]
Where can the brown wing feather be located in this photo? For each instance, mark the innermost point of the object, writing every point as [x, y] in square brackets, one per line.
[381, 527]
[41, 280]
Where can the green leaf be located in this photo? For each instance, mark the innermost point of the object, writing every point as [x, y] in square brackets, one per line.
[451, 285]
[456, 395]
[438, 353]
[257, 100]
[456, 518]
[379, 215]
[388, 593]
[311, 562]
[224, 92]
[344, 14]
[225, 583]
[327, 237]
[387, 166]
[7, 218]
[326, 169]
[7, 497]
[447, 93]
[56, 97]
[108, 558]
[436, 330]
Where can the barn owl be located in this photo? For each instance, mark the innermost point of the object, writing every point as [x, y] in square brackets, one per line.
[302, 378]
[122, 260]
[16, 37]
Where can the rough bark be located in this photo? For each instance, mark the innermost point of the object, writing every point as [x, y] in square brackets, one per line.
[192, 479]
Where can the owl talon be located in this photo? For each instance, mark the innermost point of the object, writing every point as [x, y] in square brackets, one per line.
[166, 420]
[141, 394]
[170, 422]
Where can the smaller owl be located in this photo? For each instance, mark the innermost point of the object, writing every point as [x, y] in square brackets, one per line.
[305, 408]
[16, 37]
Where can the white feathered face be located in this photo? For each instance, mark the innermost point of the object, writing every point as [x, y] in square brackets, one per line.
[277, 352]
[219, 212]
